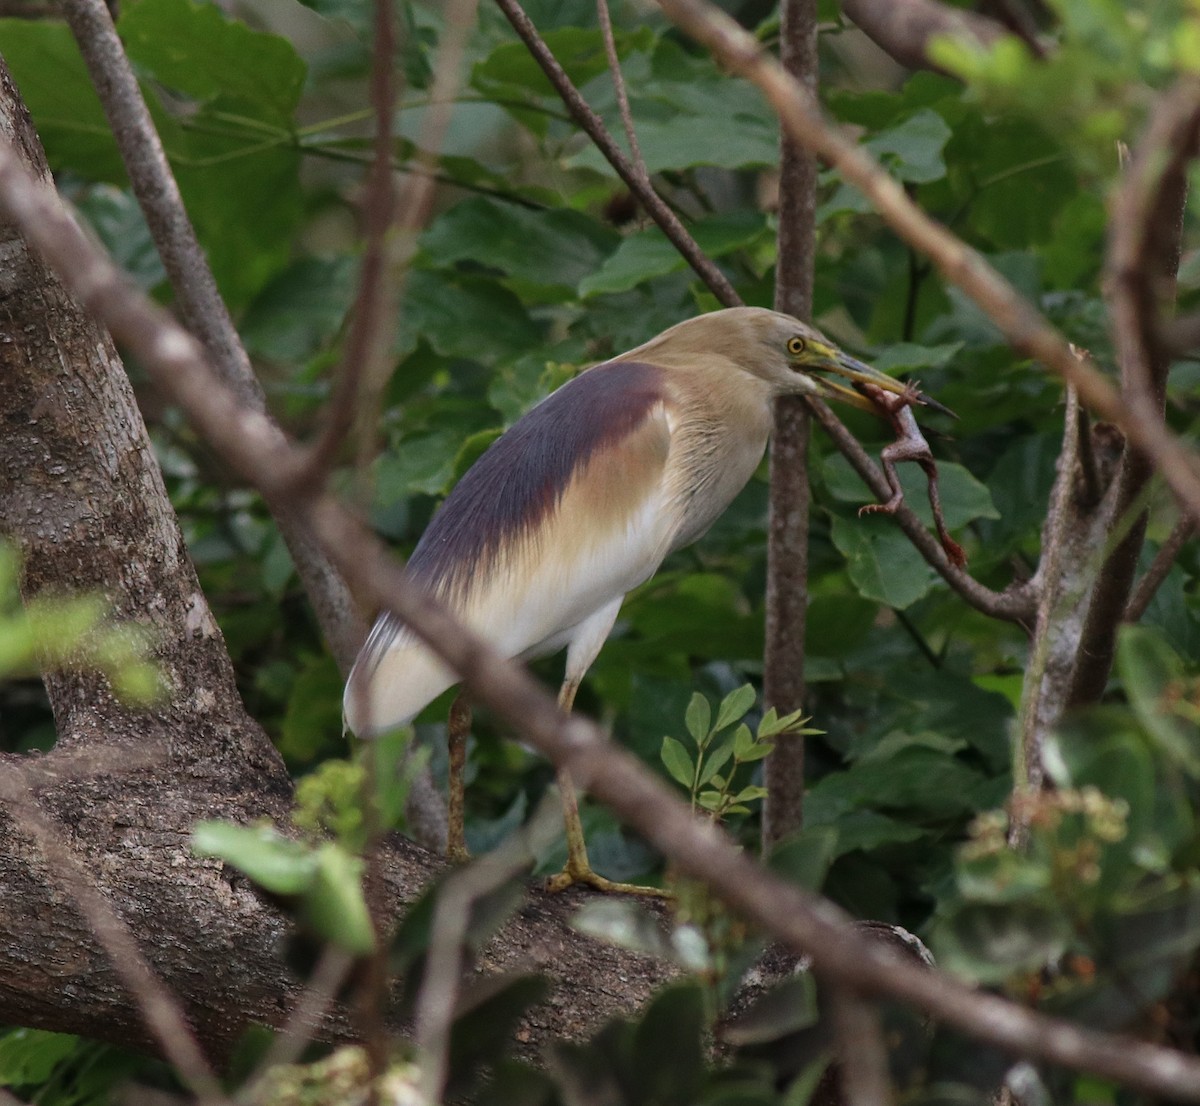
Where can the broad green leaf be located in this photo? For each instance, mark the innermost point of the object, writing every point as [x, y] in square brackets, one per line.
[510, 68]
[677, 762]
[54, 83]
[29, 1056]
[743, 741]
[197, 52]
[804, 857]
[687, 142]
[300, 310]
[991, 943]
[1153, 676]
[548, 250]
[648, 254]
[275, 862]
[912, 150]
[881, 561]
[715, 759]
[462, 316]
[669, 1047]
[698, 718]
[735, 705]
[334, 903]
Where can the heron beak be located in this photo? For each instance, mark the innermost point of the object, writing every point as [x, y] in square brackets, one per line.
[853, 370]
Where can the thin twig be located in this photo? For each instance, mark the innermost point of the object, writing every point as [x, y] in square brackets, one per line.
[257, 449]
[414, 205]
[1017, 603]
[195, 288]
[1026, 329]
[1159, 569]
[160, 1010]
[305, 1020]
[618, 78]
[438, 999]
[593, 126]
[370, 333]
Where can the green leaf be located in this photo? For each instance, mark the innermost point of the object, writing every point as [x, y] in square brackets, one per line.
[964, 499]
[648, 254]
[804, 857]
[197, 52]
[881, 561]
[735, 705]
[677, 762]
[549, 250]
[991, 943]
[274, 862]
[743, 742]
[1153, 675]
[334, 903]
[716, 759]
[698, 718]
[668, 1047]
[912, 150]
[29, 1056]
[463, 316]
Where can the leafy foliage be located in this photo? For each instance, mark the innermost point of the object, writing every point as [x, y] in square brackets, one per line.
[535, 262]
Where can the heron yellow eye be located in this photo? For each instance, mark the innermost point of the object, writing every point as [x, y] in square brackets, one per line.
[796, 346]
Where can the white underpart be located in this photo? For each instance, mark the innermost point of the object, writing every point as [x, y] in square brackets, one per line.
[531, 610]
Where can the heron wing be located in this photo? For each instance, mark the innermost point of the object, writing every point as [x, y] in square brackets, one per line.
[564, 513]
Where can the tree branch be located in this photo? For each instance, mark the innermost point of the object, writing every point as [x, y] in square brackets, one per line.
[1147, 233]
[787, 524]
[256, 448]
[904, 28]
[1159, 569]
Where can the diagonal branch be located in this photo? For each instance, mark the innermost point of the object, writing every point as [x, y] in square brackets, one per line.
[1159, 569]
[1147, 231]
[636, 181]
[255, 447]
[903, 29]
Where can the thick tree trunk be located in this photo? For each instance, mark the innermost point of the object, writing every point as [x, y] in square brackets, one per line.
[82, 497]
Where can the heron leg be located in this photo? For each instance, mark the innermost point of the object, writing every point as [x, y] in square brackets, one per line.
[578, 869]
[457, 732]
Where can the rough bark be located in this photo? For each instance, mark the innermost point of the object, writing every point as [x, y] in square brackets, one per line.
[82, 497]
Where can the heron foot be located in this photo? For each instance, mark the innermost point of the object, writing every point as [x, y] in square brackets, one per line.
[571, 876]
